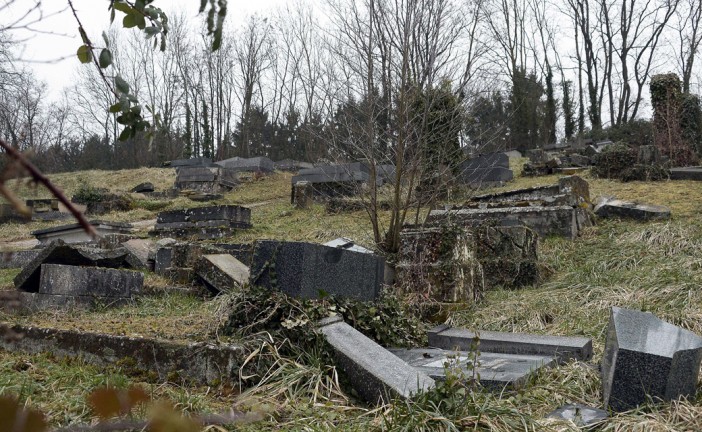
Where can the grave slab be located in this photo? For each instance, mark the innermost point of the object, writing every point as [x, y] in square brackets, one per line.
[17, 259]
[686, 173]
[58, 252]
[222, 273]
[143, 187]
[66, 280]
[254, 164]
[200, 161]
[647, 357]
[563, 348]
[580, 415]
[74, 233]
[307, 270]
[496, 371]
[374, 372]
[630, 210]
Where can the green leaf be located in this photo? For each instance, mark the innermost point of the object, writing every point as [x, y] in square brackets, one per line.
[106, 39]
[121, 85]
[140, 20]
[139, 5]
[123, 7]
[105, 58]
[126, 134]
[115, 108]
[85, 54]
[129, 21]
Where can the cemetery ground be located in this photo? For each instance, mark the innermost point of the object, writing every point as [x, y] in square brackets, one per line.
[652, 266]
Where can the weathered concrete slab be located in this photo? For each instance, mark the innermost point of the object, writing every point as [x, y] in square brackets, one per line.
[563, 348]
[308, 270]
[199, 363]
[496, 371]
[686, 173]
[17, 259]
[580, 415]
[59, 252]
[222, 272]
[66, 280]
[374, 372]
[647, 357]
[630, 210]
[74, 233]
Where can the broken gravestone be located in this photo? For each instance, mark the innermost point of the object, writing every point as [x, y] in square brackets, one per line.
[563, 348]
[629, 210]
[302, 194]
[334, 180]
[375, 373]
[65, 286]
[647, 357]
[308, 270]
[222, 272]
[491, 370]
[58, 252]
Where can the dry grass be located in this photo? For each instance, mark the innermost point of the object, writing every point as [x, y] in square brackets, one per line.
[653, 266]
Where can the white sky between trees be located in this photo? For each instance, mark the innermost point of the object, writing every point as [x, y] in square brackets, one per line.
[50, 50]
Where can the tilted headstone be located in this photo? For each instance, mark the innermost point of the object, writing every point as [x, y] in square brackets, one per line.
[647, 357]
[563, 348]
[495, 371]
[308, 270]
[222, 272]
[376, 374]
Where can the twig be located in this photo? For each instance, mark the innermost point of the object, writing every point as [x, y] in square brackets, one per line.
[39, 177]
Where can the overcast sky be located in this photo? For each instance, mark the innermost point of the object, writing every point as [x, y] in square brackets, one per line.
[50, 49]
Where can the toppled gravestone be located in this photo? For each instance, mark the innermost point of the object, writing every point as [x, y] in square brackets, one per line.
[143, 188]
[334, 180]
[66, 286]
[74, 233]
[686, 173]
[450, 263]
[580, 415]
[202, 222]
[307, 270]
[139, 252]
[376, 374]
[302, 195]
[58, 252]
[647, 357]
[179, 261]
[485, 170]
[495, 371]
[562, 348]
[629, 210]
[222, 272]
[560, 210]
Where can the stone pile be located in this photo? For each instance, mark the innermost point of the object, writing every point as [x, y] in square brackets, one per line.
[202, 222]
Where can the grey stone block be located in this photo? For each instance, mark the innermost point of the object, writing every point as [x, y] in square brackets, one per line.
[17, 259]
[686, 173]
[222, 272]
[254, 164]
[69, 280]
[629, 210]
[74, 233]
[375, 373]
[59, 252]
[162, 260]
[200, 161]
[478, 177]
[496, 371]
[492, 160]
[647, 357]
[139, 251]
[292, 165]
[580, 415]
[35, 302]
[563, 348]
[307, 270]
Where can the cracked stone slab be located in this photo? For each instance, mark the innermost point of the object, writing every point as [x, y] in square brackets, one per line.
[630, 210]
[374, 372]
[222, 272]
